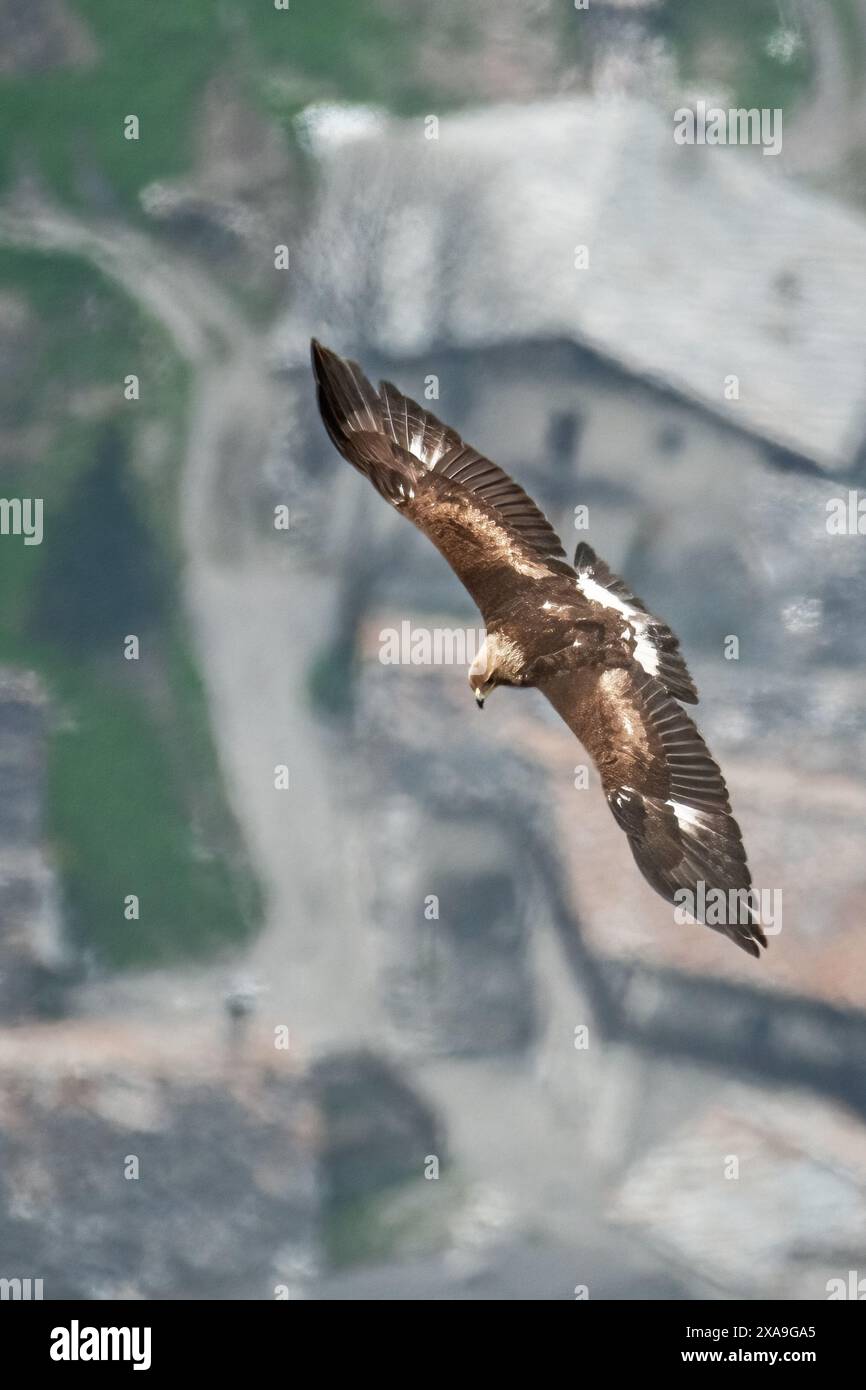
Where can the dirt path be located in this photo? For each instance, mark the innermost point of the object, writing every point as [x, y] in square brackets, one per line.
[256, 623]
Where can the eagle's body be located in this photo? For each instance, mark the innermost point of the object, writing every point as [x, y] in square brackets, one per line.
[610, 669]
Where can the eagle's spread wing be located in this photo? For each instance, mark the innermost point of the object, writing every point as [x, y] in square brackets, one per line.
[657, 648]
[486, 526]
[663, 787]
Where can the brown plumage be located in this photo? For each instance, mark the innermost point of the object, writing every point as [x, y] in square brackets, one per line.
[612, 671]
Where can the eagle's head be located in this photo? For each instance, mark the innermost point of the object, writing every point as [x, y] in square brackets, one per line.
[499, 662]
[481, 683]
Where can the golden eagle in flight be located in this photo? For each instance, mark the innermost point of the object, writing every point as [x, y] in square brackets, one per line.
[611, 670]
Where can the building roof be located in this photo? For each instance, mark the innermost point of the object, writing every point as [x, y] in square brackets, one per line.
[704, 262]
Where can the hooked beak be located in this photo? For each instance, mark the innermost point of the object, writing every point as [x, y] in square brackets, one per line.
[479, 699]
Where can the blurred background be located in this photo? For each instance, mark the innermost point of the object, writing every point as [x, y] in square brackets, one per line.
[313, 982]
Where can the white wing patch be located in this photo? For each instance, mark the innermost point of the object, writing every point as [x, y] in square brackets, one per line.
[690, 816]
[686, 815]
[599, 594]
[645, 653]
[429, 457]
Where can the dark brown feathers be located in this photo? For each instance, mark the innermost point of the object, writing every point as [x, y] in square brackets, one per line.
[664, 788]
[350, 407]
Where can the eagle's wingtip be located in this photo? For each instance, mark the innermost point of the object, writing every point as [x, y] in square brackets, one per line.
[751, 939]
[322, 357]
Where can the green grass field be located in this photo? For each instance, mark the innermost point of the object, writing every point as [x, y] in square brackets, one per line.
[733, 45]
[134, 799]
[154, 61]
[127, 816]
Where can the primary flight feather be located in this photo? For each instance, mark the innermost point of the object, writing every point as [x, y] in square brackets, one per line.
[612, 671]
